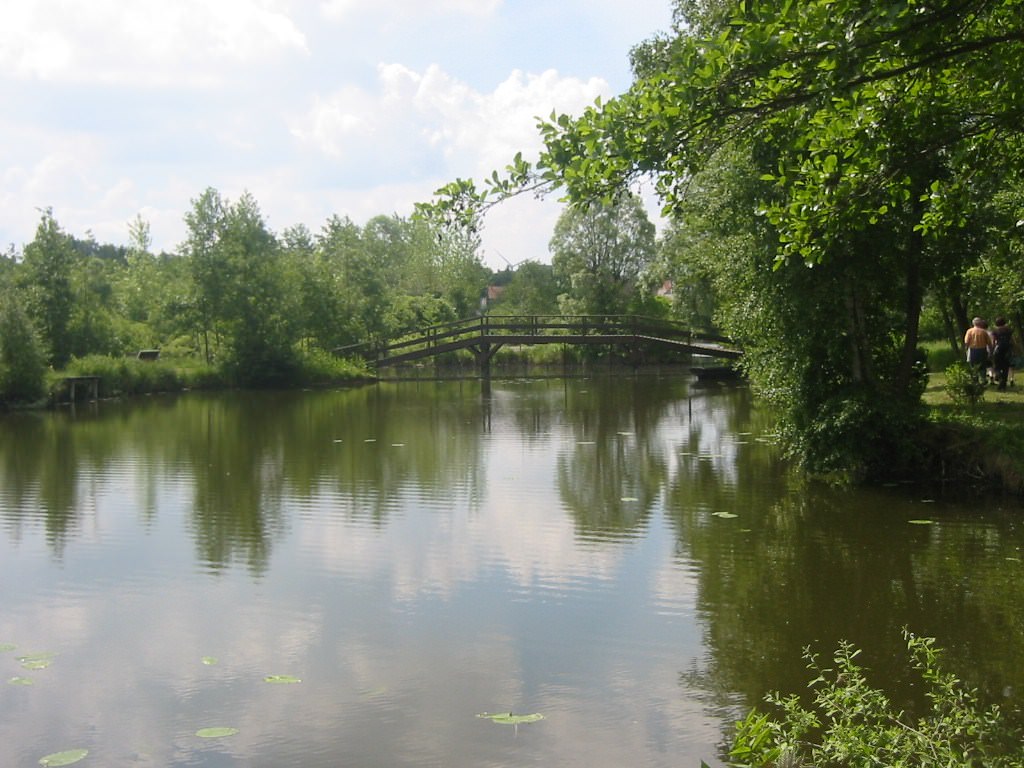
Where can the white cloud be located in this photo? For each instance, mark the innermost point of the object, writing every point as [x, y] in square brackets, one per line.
[338, 10]
[145, 41]
[427, 118]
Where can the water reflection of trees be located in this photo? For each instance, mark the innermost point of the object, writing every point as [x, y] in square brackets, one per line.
[39, 471]
[615, 466]
[243, 457]
[810, 567]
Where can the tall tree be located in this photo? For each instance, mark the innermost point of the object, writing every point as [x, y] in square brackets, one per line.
[49, 261]
[599, 250]
[260, 303]
[208, 265]
[22, 357]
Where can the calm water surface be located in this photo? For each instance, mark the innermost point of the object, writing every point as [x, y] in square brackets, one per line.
[624, 556]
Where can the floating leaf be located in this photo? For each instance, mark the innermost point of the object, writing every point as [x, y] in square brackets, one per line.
[629, 498]
[20, 681]
[7, 647]
[507, 718]
[209, 660]
[63, 758]
[215, 733]
[281, 679]
[921, 522]
[724, 515]
[36, 660]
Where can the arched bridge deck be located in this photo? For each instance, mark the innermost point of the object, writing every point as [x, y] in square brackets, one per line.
[485, 335]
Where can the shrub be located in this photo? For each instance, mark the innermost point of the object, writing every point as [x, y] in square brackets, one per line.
[854, 724]
[126, 376]
[962, 384]
[317, 366]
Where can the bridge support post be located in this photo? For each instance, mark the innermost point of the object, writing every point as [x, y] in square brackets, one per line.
[483, 360]
[483, 353]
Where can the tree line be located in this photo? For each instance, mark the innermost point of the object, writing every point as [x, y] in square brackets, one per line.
[260, 307]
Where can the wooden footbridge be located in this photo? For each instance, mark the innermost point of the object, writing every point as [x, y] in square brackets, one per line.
[486, 334]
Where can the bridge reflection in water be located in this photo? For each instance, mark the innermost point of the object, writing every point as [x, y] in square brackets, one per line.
[486, 334]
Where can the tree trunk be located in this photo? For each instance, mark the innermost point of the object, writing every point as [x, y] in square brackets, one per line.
[914, 297]
[860, 358]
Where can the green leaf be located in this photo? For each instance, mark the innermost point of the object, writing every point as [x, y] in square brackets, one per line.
[921, 522]
[507, 718]
[281, 679]
[216, 733]
[63, 758]
[7, 647]
[20, 681]
[209, 660]
[36, 660]
[724, 515]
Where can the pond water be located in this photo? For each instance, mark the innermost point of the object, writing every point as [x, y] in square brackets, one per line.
[626, 556]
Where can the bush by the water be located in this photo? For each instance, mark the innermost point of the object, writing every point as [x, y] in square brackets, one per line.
[851, 723]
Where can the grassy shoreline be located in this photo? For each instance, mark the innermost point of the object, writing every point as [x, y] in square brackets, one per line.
[980, 445]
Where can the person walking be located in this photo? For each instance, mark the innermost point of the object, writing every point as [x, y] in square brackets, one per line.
[1002, 349]
[978, 342]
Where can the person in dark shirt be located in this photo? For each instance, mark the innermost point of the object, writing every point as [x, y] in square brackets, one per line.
[1002, 343]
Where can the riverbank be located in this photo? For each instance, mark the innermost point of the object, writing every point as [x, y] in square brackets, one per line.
[127, 376]
[976, 446]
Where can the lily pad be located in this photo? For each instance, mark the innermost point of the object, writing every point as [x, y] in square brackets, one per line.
[921, 522]
[7, 647]
[507, 718]
[209, 660]
[724, 515]
[36, 660]
[629, 498]
[216, 733]
[20, 681]
[281, 679]
[63, 758]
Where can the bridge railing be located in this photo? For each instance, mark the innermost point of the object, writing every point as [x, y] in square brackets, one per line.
[480, 329]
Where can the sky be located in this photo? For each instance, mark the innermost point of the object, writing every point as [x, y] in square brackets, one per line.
[114, 109]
